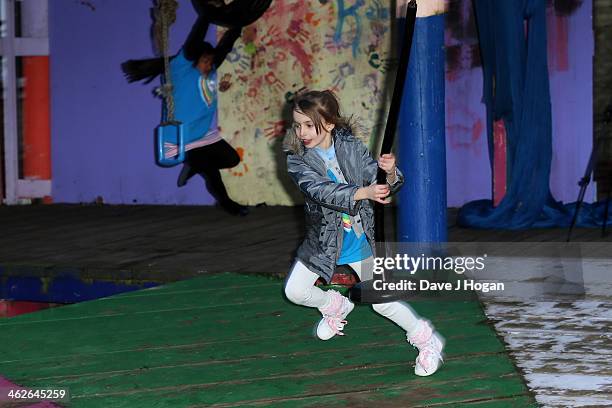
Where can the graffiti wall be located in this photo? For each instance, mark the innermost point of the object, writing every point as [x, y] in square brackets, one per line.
[343, 45]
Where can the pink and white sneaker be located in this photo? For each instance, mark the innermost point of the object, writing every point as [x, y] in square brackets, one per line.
[334, 315]
[430, 345]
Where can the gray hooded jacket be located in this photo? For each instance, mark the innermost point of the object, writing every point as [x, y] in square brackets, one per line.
[325, 200]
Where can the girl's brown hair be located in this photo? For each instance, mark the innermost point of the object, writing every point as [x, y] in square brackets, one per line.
[320, 106]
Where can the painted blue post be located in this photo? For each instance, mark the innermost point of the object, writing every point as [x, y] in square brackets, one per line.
[421, 141]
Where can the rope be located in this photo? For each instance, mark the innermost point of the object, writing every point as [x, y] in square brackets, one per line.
[393, 115]
[165, 16]
[364, 291]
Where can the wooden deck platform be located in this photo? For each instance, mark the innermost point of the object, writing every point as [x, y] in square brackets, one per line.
[231, 340]
[171, 345]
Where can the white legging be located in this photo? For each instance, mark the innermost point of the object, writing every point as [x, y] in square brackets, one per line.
[300, 289]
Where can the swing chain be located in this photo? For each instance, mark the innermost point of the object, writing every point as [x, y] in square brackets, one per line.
[166, 15]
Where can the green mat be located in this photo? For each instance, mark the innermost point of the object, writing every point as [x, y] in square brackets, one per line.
[233, 340]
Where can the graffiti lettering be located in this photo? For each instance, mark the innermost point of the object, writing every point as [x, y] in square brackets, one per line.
[343, 13]
[344, 71]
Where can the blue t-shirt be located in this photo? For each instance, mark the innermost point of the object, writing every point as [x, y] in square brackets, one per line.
[195, 97]
[353, 249]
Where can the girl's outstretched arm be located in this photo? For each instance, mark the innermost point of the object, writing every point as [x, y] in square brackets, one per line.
[226, 43]
[235, 15]
[238, 13]
[192, 45]
[323, 191]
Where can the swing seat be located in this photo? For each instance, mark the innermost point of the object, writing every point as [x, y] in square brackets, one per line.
[169, 137]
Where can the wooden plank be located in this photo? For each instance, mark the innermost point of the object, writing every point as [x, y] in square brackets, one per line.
[136, 353]
[388, 379]
[369, 398]
[207, 341]
[139, 333]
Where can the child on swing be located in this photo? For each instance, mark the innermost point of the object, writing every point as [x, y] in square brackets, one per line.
[337, 175]
[194, 78]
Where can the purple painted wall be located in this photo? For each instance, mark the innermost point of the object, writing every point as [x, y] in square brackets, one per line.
[102, 127]
[570, 54]
[570, 51]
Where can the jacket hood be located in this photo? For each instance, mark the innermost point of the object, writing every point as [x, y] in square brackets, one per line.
[293, 145]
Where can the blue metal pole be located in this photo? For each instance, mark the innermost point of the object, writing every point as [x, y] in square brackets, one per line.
[422, 151]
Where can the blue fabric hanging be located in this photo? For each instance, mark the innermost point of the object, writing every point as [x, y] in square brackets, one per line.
[516, 89]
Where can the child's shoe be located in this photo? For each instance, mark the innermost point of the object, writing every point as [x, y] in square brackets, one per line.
[186, 173]
[334, 313]
[430, 345]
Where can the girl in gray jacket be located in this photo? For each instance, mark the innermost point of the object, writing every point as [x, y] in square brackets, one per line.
[337, 175]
